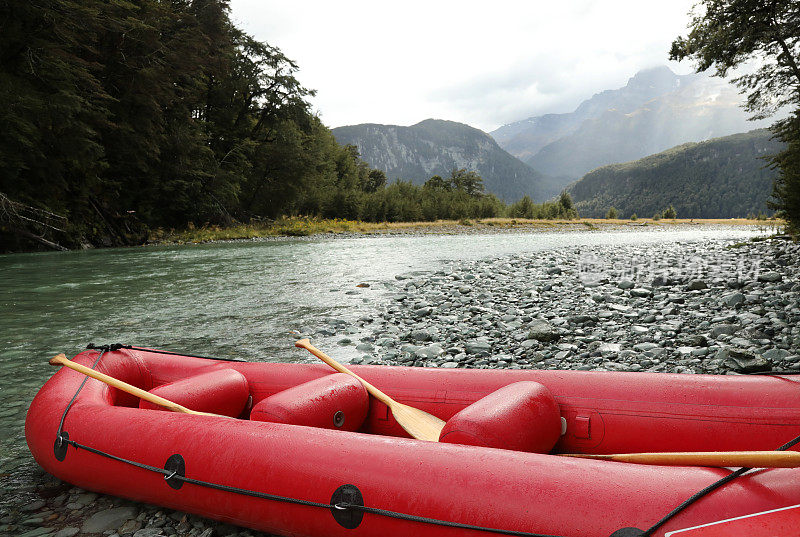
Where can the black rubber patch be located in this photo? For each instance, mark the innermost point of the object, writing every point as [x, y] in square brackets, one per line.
[628, 532]
[347, 517]
[60, 447]
[338, 419]
[176, 466]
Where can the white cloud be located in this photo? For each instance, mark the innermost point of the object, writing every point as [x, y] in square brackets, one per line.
[481, 63]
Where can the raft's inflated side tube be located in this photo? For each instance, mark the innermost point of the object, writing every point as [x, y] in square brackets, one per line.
[495, 488]
[522, 416]
[222, 391]
[336, 401]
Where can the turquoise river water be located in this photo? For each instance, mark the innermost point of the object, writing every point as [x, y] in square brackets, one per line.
[236, 299]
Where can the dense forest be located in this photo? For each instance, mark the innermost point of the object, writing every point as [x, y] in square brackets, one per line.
[123, 117]
[120, 116]
[721, 178]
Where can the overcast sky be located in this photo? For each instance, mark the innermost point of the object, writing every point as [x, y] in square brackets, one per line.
[483, 63]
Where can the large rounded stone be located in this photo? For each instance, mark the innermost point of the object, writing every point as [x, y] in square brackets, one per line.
[110, 519]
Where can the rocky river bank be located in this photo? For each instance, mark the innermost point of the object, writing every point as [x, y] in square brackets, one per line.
[711, 306]
[707, 307]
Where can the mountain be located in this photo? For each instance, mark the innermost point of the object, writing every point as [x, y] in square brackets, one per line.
[656, 110]
[525, 138]
[720, 178]
[435, 147]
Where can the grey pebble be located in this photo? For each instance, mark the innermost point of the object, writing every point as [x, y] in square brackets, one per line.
[108, 519]
[148, 532]
[771, 277]
[696, 285]
[38, 532]
[33, 506]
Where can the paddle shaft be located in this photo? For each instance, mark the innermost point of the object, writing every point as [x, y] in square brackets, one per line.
[722, 459]
[375, 392]
[125, 387]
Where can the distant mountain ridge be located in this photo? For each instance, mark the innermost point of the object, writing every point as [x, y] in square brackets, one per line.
[656, 110]
[525, 138]
[720, 178]
[435, 147]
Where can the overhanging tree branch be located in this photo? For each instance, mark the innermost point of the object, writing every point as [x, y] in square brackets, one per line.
[26, 220]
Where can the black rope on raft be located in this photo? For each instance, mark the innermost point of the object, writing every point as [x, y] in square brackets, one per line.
[107, 348]
[59, 436]
[117, 346]
[434, 521]
[170, 474]
[709, 489]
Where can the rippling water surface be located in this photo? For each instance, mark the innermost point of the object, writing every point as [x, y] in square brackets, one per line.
[237, 299]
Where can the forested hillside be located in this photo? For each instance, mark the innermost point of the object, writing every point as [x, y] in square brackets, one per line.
[721, 178]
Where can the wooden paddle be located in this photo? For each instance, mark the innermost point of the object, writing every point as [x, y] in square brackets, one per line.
[417, 423]
[722, 459]
[61, 359]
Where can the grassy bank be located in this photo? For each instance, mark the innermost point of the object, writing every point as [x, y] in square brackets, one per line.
[301, 227]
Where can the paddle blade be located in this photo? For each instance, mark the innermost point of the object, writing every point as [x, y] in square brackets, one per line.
[417, 423]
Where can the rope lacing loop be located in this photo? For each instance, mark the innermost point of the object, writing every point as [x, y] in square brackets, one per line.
[107, 348]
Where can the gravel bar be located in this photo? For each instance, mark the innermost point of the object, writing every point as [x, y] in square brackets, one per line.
[707, 307]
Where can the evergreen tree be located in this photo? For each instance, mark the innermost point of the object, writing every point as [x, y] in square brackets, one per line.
[468, 181]
[566, 201]
[566, 209]
[375, 179]
[787, 185]
[52, 106]
[437, 183]
[524, 208]
[724, 34]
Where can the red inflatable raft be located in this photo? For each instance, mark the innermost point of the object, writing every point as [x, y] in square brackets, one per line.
[311, 454]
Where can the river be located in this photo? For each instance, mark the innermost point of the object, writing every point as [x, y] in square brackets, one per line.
[235, 299]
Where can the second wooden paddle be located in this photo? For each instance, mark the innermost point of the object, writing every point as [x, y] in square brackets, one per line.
[61, 359]
[416, 422]
[721, 459]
